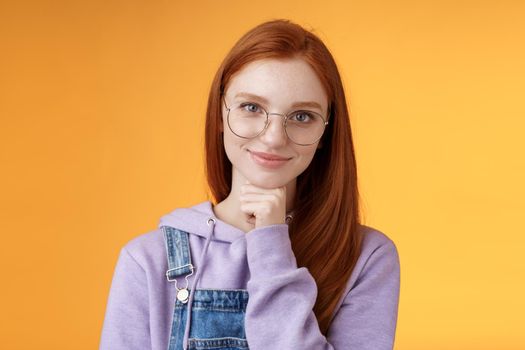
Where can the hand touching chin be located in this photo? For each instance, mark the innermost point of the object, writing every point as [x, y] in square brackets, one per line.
[263, 206]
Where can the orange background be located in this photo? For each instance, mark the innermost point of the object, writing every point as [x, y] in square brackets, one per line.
[102, 106]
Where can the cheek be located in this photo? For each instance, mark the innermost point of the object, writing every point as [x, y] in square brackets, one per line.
[232, 146]
[308, 152]
[227, 145]
[307, 155]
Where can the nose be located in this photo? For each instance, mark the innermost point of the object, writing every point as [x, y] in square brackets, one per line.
[274, 135]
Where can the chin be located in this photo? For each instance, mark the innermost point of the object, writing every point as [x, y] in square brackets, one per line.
[268, 183]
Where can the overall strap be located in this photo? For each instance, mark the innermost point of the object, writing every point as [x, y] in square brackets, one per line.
[178, 252]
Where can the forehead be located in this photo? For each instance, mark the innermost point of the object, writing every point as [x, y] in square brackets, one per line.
[280, 81]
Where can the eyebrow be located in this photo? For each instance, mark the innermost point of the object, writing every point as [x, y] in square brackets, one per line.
[261, 99]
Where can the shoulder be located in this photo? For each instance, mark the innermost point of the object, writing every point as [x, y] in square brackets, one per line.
[378, 260]
[374, 240]
[370, 302]
[146, 248]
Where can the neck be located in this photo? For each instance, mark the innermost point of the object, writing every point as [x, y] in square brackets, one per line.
[229, 210]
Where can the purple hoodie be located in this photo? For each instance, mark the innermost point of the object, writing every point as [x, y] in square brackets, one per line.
[141, 300]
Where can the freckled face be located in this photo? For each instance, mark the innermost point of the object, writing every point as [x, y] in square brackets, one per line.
[278, 84]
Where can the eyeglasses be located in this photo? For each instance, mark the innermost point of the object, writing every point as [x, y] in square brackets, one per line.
[248, 120]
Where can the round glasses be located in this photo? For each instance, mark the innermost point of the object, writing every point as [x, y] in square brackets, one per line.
[249, 120]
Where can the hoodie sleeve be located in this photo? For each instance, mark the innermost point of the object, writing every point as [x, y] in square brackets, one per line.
[126, 324]
[279, 314]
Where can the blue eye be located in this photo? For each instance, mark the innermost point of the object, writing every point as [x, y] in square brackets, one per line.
[302, 116]
[250, 107]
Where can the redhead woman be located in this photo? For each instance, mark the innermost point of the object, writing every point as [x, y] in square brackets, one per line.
[278, 259]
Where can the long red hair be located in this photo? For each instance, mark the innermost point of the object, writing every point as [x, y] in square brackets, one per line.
[324, 230]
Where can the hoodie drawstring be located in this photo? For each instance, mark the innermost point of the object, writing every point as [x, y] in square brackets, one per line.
[200, 268]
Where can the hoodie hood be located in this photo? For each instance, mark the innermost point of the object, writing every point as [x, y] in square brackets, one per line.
[194, 220]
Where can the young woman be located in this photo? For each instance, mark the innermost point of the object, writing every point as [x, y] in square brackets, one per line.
[279, 259]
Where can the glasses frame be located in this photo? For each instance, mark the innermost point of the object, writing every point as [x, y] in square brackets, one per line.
[286, 117]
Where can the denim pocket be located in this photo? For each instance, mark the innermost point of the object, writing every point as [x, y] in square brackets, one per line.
[217, 320]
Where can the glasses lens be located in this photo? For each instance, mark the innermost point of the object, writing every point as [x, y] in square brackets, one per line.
[304, 127]
[247, 120]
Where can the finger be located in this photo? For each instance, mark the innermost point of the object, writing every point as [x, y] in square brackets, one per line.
[264, 213]
[250, 208]
[257, 197]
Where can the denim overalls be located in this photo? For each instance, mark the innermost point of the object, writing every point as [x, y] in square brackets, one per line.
[217, 315]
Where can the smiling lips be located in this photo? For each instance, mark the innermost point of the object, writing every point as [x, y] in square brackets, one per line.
[268, 160]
